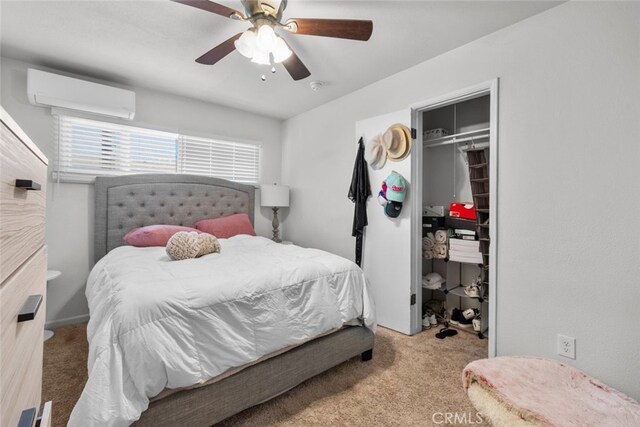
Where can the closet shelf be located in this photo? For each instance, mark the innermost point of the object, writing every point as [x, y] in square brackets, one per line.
[482, 210]
[453, 222]
[459, 291]
[479, 179]
[471, 136]
[479, 264]
[442, 288]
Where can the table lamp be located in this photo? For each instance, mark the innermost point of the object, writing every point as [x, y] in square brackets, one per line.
[275, 196]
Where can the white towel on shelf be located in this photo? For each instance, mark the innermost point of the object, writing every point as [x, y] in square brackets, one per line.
[431, 285]
[428, 241]
[440, 251]
[441, 236]
[427, 253]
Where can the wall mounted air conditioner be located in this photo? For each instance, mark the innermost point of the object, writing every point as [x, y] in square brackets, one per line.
[53, 90]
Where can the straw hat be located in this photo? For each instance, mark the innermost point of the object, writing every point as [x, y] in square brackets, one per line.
[397, 140]
[388, 141]
[376, 154]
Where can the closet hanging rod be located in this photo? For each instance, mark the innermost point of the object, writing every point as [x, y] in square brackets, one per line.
[473, 146]
[458, 138]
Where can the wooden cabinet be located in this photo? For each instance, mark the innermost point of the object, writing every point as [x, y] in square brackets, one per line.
[23, 270]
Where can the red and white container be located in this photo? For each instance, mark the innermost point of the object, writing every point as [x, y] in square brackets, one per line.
[462, 210]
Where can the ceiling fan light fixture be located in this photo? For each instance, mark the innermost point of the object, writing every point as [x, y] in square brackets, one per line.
[266, 38]
[261, 41]
[281, 52]
[246, 44]
[261, 57]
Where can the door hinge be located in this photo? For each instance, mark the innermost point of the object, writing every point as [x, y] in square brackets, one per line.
[413, 299]
[414, 133]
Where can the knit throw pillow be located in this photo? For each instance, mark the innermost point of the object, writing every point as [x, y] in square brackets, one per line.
[186, 245]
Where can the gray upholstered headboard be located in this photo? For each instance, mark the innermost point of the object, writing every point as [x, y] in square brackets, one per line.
[130, 201]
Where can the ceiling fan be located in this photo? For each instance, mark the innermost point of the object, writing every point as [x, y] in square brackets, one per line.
[262, 44]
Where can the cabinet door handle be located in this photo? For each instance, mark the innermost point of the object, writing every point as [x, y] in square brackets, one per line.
[27, 417]
[30, 308]
[28, 184]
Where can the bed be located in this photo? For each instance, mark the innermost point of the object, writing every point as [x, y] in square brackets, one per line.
[193, 342]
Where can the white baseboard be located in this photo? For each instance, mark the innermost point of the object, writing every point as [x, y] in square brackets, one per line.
[66, 321]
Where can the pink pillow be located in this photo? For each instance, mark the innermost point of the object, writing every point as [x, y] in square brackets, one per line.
[153, 235]
[227, 226]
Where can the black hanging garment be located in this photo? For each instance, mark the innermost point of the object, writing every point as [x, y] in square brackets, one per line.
[359, 192]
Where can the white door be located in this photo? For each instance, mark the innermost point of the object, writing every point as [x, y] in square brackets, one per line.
[386, 258]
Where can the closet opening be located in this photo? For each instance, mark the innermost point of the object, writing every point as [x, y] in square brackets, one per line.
[455, 226]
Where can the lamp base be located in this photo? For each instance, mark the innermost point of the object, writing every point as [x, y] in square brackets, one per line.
[276, 226]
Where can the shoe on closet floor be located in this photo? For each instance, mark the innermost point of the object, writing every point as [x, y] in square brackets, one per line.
[432, 319]
[458, 319]
[429, 319]
[470, 313]
[456, 315]
[466, 323]
[426, 324]
[446, 332]
[477, 325]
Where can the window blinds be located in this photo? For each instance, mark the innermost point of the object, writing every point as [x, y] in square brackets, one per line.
[89, 148]
[228, 160]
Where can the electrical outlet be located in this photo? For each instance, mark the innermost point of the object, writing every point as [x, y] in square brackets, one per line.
[567, 346]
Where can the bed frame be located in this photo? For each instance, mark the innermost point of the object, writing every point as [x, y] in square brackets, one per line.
[125, 202]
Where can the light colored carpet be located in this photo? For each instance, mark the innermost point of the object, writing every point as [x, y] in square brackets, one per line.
[408, 381]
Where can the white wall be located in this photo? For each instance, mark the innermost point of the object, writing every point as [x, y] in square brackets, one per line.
[442, 180]
[568, 248]
[391, 234]
[70, 207]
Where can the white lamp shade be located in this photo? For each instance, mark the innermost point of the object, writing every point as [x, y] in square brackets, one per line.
[260, 57]
[246, 44]
[266, 39]
[274, 195]
[282, 51]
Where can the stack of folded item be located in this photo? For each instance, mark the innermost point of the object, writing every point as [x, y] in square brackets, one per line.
[464, 234]
[428, 242]
[465, 251]
[432, 281]
[440, 247]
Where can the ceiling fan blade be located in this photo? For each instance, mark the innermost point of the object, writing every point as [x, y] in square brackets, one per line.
[212, 7]
[295, 67]
[219, 52]
[339, 28]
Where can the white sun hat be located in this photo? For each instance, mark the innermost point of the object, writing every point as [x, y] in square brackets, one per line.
[376, 154]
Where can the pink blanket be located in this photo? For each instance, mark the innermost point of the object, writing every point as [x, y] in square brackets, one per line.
[552, 393]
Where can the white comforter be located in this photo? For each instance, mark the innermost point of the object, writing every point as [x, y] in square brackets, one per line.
[158, 324]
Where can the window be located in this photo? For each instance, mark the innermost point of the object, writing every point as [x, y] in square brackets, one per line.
[229, 160]
[89, 148]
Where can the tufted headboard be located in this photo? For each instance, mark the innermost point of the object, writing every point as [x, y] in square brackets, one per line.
[130, 201]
